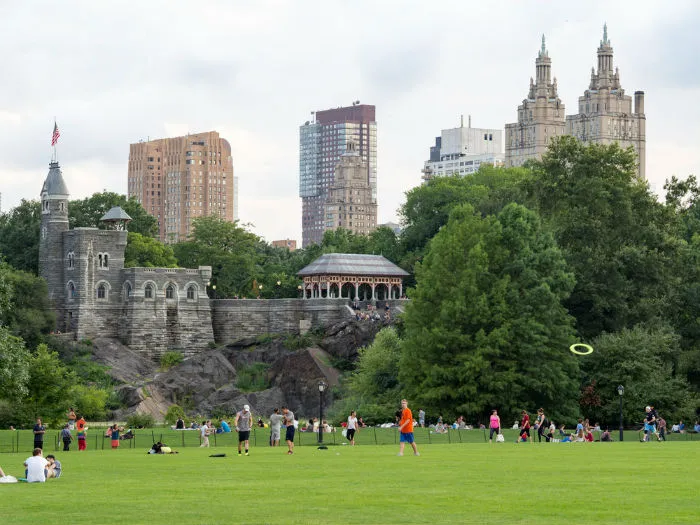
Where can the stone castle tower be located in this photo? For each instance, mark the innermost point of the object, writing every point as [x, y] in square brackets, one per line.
[349, 203]
[605, 114]
[541, 116]
[149, 309]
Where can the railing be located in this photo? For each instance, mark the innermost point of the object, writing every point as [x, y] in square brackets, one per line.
[23, 440]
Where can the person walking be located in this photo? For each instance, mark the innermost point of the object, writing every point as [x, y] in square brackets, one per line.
[275, 426]
[421, 417]
[540, 423]
[243, 422]
[525, 425]
[351, 428]
[494, 425]
[650, 424]
[289, 434]
[406, 429]
[204, 432]
[81, 430]
[66, 437]
[39, 431]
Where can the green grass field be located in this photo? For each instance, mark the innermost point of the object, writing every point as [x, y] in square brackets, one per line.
[627, 482]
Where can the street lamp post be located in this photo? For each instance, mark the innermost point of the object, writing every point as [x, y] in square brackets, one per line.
[620, 391]
[213, 289]
[260, 291]
[299, 291]
[277, 291]
[321, 389]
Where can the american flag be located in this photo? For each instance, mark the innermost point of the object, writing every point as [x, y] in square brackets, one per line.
[56, 134]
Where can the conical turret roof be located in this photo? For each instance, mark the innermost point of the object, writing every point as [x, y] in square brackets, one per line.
[54, 185]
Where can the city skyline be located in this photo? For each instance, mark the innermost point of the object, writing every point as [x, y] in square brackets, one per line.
[254, 73]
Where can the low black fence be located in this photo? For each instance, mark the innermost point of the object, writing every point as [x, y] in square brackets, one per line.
[23, 440]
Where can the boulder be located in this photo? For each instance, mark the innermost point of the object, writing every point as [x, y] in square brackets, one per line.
[345, 338]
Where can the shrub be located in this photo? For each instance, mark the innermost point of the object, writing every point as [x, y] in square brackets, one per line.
[298, 341]
[174, 412]
[140, 421]
[170, 359]
[253, 378]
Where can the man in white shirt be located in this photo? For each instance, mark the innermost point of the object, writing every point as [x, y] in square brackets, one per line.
[275, 427]
[36, 467]
[351, 428]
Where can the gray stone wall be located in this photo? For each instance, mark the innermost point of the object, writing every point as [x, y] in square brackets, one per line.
[236, 318]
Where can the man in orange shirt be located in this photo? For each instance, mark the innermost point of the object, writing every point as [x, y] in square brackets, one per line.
[406, 429]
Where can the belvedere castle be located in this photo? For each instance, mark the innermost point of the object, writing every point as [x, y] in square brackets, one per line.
[153, 310]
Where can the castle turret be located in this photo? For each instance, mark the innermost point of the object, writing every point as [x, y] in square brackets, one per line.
[54, 221]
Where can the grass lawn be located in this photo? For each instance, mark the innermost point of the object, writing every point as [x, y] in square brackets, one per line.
[628, 482]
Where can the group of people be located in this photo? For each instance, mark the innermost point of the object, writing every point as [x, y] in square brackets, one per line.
[372, 313]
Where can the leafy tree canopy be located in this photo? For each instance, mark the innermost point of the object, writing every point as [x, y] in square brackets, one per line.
[88, 212]
[486, 328]
[147, 252]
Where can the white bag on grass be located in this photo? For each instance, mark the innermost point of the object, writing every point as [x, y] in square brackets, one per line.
[500, 438]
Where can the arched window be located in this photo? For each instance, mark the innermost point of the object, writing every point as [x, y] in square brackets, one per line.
[71, 291]
[148, 292]
[71, 260]
[191, 292]
[105, 260]
[102, 291]
[170, 292]
[99, 258]
[127, 291]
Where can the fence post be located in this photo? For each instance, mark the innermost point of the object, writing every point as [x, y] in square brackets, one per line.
[153, 436]
[183, 438]
[429, 440]
[375, 435]
[459, 435]
[255, 437]
[394, 435]
[449, 440]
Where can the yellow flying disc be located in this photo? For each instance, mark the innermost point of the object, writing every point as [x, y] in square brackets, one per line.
[589, 349]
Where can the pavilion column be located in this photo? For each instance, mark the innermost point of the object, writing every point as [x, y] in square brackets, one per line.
[400, 290]
[357, 291]
[328, 289]
[373, 287]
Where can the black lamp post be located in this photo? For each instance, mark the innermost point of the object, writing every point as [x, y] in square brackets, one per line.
[299, 291]
[621, 390]
[213, 289]
[321, 389]
[277, 290]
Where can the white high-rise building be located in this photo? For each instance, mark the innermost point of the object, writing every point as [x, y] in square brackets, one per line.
[462, 150]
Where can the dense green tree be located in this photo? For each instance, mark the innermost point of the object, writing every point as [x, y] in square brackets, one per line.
[29, 314]
[640, 359]
[230, 249]
[19, 236]
[486, 328]
[49, 386]
[373, 388]
[88, 212]
[14, 366]
[147, 252]
[618, 239]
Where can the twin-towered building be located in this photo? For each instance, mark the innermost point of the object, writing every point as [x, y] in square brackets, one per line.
[605, 114]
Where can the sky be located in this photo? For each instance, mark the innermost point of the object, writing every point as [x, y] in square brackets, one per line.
[253, 70]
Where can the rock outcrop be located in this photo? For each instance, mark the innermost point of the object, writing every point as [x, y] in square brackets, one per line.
[207, 383]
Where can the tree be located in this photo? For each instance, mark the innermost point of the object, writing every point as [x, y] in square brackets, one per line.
[147, 252]
[14, 366]
[19, 236]
[29, 314]
[486, 328]
[230, 249]
[49, 386]
[88, 212]
[620, 242]
[373, 388]
[641, 359]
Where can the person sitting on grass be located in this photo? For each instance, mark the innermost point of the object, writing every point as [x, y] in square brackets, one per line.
[36, 467]
[605, 436]
[53, 467]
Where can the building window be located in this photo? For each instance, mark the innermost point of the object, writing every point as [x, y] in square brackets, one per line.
[71, 291]
[71, 260]
[191, 292]
[102, 291]
[148, 292]
[170, 292]
[127, 291]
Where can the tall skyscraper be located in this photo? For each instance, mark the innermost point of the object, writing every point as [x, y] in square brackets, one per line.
[605, 113]
[178, 179]
[541, 116]
[322, 142]
[462, 150]
[350, 204]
